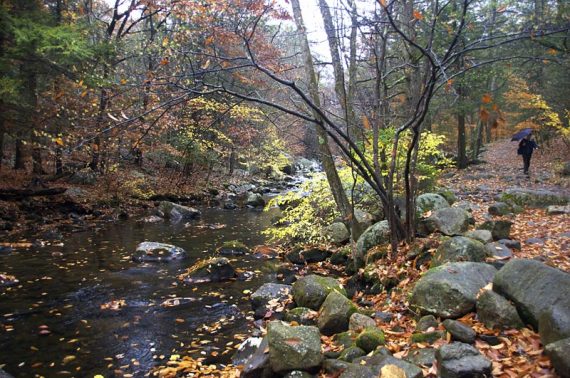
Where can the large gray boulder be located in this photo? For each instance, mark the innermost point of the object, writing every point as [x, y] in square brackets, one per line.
[158, 252]
[534, 197]
[335, 313]
[430, 202]
[311, 291]
[378, 233]
[263, 299]
[252, 354]
[450, 290]
[497, 312]
[216, 269]
[559, 353]
[539, 292]
[459, 360]
[176, 212]
[484, 236]
[337, 233]
[459, 248]
[254, 200]
[293, 348]
[500, 229]
[358, 322]
[449, 221]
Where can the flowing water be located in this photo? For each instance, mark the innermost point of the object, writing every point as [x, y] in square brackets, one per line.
[84, 308]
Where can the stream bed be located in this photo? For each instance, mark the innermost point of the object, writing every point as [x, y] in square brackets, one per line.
[83, 307]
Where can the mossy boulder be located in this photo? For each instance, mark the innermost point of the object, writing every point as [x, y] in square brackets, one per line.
[158, 252]
[216, 269]
[335, 313]
[293, 348]
[459, 248]
[370, 338]
[233, 248]
[378, 233]
[302, 315]
[449, 221]
[427, 337]
[311, 291]
[430, 202]
[500, 229]
[534, 197]
[337, 233]
[350, 353]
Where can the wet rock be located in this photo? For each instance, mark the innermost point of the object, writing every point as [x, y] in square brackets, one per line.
[421, 357]
[256, 365]
[459, 248]
[458, 360]
[313, 255]
[335, 367]
[378, 233]
[500, 229]
[158, 252]
[512, 244]
[534, 198]
[335, 313]
[298, 374]
[459, 331]
[233, 248]
[245, 350]
[554, 324]
[558, 353]
[216, 269]
[449, 221]
[357, 371]
[500, 208]
[254, 200]
[293, 348]
[430, 202]
[295, 257]
[496, 312]
[370, 338]
[377, 361]
[176, 212]
[450, 290]
[268, 297]
[358, 322]
[536, 288]
[484, 236]
[557, 210]
[302, 315]
[311, 291]
[426, 322]
[350, 353]
[337, 233]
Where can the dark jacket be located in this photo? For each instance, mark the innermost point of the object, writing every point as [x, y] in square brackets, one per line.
[527, 146]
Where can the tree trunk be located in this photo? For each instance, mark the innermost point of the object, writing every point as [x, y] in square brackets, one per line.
[325, 154]
[20, 156]
[461, 141]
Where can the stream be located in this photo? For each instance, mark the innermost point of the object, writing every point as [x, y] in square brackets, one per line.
[84, 308]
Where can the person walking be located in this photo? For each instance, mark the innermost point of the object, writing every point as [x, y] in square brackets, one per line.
[526, 147]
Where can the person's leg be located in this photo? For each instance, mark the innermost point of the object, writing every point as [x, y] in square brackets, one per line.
[526, 162]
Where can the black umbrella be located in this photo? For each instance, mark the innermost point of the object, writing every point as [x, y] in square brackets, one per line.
[521, 134]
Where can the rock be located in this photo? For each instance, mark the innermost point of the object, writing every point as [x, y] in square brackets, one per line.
[76, 195]
[457, 360]
[337, 233]
[427, 337]
[335, 313]
[498, 251]
[385, 317]
[421, 357]
[512, 244]
[298, 374]
[426, 322]
[158, 252]
[500, 229]
[430, 202]
[459, 331]
[554, 324]
[496, 312]
[459, 248]
[538, 241]
[566, 169]
[85, 176]
[233, 248]
[245, 350]
[295, 257]
[358, 322]
[500, 208]
[344, 339]
[350, 353]
[364, 218]
[357, 371]
[335, 367]
[484, 236]
[558, 353]
[254, 200]
[313, 255]
[370, 338]
[257, 364]
[340, 257]
[176, 212]
[557, 210]
[293, 348]
[450, 290]
[268, 297]
[310, 291]
[449, 196]
[378, 233]
[151, 219]
[377, 361]
[536, 288]
[215, 269]
[534, 198]
[449, 221]
[302, 315]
